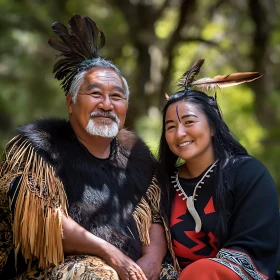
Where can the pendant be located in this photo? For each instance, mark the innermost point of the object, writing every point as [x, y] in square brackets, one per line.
[193, 212]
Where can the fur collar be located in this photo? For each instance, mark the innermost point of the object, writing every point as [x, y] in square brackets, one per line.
[102, 193]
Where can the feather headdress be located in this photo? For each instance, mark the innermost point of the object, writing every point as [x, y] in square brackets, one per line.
[78, 47]
[188, 78]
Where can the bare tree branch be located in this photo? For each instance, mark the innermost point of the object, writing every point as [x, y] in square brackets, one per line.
[198, 39]
[164, 5]
[186, 9]
[259, 57]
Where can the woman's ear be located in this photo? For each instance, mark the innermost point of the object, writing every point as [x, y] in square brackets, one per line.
[212, 131]
[69, 103]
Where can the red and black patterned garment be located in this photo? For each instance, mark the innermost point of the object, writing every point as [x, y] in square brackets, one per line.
[190, 246]
[251, 250]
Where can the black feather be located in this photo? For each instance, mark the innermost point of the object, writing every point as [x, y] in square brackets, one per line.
[189, 76]
[77, 44]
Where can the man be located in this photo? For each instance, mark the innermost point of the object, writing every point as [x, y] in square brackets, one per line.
[84, 204]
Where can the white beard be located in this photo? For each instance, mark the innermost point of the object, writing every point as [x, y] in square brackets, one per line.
[107, 130]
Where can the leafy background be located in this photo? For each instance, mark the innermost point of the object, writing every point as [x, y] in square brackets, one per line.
[153, 42]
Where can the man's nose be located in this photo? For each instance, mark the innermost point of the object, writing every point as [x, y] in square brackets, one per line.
[106, 104]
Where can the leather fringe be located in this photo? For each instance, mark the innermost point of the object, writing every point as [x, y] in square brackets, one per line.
[144, 210]
[39, 203]
[143, 217]
[6, 220]
[170, 247]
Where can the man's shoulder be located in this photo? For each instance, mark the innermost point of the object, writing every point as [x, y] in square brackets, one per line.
[42, 126]
[136, 150]
[130, 141]
[127, 138]
[42, 131]
[39, 136]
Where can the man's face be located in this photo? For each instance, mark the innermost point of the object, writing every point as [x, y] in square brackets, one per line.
[101, 104]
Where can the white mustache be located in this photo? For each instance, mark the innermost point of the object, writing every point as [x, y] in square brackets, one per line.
[106, 114]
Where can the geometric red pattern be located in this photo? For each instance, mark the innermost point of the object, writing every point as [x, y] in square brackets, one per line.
[209, 208]
[179, 209]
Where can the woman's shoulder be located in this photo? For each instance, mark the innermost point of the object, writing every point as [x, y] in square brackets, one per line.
[247, 171]
[245, 163]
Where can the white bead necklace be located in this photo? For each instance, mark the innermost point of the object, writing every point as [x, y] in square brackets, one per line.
[191, 199]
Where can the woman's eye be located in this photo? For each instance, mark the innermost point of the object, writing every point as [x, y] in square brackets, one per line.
[170, 127]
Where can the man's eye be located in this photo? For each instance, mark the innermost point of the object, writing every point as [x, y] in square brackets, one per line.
[117, 96]
[95, 93]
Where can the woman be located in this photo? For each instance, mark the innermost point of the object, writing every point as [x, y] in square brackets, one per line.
[221, 203]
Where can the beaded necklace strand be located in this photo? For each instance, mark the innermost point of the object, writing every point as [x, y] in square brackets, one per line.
[193, 197]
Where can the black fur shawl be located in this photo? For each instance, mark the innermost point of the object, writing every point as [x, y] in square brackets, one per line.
[102, 193]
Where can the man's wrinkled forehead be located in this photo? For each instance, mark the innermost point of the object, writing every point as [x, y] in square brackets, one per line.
[103, 76]
[96, 85]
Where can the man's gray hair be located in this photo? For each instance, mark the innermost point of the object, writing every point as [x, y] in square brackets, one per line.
[95, 63]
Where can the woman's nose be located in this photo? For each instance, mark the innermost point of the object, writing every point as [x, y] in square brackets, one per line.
[181, 131]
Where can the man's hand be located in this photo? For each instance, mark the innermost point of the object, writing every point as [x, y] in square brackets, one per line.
[126, 268]
[152, 257]
[79, 241]
[150, 266]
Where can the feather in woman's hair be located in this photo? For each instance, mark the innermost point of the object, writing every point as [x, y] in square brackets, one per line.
[227, 80]
[78, 45]
[188, 77]
[167, 97]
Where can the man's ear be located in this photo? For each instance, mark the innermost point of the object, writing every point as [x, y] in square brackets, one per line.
[69, 103]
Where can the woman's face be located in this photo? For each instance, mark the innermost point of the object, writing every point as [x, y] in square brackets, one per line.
[188, 133]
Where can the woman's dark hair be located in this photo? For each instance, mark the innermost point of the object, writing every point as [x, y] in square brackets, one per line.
[225, 148]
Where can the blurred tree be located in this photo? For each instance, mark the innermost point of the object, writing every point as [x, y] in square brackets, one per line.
[153, 42]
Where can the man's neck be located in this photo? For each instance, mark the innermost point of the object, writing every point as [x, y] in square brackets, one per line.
[98, 146]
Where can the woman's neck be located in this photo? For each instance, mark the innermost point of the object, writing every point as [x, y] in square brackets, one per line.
[193, 168]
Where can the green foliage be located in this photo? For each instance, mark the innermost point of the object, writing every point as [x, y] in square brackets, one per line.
[237, 106]
[149, 129]
[166, 24]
